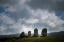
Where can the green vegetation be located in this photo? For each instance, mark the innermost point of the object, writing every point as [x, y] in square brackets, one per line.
[36, 39]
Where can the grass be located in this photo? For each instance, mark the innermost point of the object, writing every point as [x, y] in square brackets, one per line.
[42, 39]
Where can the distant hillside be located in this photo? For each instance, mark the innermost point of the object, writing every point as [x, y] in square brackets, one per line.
[53, 34]
[56, 34]
[12, 35]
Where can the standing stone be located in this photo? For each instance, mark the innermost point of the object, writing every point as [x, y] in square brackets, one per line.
[36, 32]
[44, 32]
[29, 33]
[22, 35]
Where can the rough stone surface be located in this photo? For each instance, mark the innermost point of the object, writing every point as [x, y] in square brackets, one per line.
[29, 33]
[36, 32]
[44, 32]
[22, 35]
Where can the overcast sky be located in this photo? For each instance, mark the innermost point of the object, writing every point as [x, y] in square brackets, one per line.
[26, 15]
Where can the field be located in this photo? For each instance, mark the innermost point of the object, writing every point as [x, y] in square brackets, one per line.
[42, 39]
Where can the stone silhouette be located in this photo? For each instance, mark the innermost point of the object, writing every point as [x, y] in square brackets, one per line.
[36, 32]
[44, 32]
[22, 35]
[29, 33]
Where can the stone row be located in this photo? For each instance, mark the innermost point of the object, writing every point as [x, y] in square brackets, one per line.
[43, 33]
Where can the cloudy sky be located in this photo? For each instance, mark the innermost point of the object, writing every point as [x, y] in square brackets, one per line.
[26, 15]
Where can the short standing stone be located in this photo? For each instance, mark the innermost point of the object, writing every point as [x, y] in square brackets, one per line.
[22, 35]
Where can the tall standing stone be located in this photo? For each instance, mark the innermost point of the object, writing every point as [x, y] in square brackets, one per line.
[36, 32]
[44, 32]
[29, 33]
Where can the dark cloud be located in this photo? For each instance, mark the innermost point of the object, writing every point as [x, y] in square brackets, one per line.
[10, 2]
[52, 5]
[20, 14]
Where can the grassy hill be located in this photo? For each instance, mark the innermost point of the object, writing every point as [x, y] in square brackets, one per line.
[52, 37]
[36, 39]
